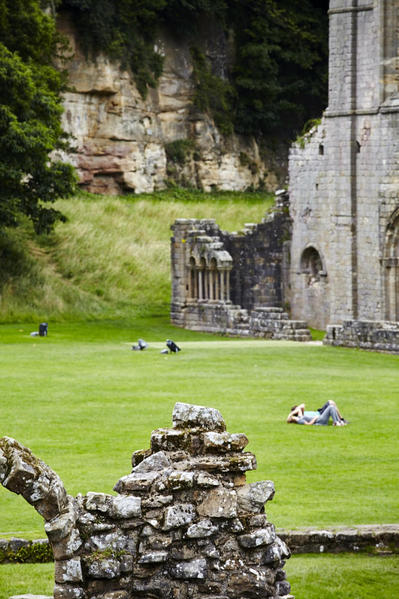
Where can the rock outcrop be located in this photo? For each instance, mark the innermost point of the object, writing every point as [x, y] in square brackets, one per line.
[121, 140]
[184, 523]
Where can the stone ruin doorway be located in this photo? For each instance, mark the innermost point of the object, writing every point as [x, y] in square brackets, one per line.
[391, 268]
[314, 292]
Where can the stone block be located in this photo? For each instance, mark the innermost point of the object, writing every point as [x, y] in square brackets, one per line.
[62, 591]
[107, 568]
[207, 480]
[168, 439]
[178, 515]
[67, 571]
[192, 416]
[125, 507]
[202, 529]
[137, 481]
[276, 552]
[258, 538]
[154, 557]
[253, 496]
[224, 442]
[193, 569]
[98, 502]
[116, 541]
[219, 503]
[178, 480]
[67, 546]
[154, 463]
[59, 527]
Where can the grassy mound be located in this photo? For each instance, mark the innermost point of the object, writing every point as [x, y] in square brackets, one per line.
[112, 258]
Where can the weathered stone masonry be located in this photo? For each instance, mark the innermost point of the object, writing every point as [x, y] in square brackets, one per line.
[344, 176]
[234, 283]
[184, 523]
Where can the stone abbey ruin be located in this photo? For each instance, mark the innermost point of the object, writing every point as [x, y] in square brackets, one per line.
[183, 525]
[332, 254]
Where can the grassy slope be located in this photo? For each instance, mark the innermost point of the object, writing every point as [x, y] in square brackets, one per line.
[112, 257]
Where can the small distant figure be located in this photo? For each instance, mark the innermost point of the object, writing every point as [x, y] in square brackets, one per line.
[141, 344]
[164, 351]
[172, 346]
[321, 417]
[43, 327]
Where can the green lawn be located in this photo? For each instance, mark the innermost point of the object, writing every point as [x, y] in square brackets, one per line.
[82, 401]
[344, 576]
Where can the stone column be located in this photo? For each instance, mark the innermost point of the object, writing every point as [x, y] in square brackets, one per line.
[222, 285]
[211, 284]
[200, 283]
[227, 285]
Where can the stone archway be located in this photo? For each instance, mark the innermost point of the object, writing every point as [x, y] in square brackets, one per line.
[391, 267]
[184, 517]
[314, 295]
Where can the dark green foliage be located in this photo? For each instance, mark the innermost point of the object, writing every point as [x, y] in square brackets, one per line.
[185, 16]
[39, 553]
[30, 117]
[280, 72]
[179, 150]
[213, 94]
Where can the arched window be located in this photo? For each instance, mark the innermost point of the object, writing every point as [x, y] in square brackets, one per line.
[311, 265]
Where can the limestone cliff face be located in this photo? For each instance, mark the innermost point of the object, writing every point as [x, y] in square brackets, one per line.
[120, 138]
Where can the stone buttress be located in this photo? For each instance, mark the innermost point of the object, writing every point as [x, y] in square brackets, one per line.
[184, 523]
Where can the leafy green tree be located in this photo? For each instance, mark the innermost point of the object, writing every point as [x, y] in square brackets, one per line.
[30, 117]
[280, 71]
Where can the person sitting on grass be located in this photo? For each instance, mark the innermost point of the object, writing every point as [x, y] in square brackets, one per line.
[299, 415]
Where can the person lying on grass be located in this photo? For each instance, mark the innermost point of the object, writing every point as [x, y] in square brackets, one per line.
[322, 416]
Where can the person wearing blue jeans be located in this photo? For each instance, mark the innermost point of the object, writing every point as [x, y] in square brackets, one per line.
[321, 417]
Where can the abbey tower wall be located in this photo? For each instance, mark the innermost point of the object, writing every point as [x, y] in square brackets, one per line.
[344, 176]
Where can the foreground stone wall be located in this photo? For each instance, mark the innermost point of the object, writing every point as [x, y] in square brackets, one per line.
[184, 523]
[121, 139]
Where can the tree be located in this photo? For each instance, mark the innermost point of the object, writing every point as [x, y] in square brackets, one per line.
[280, 71]
[30, 118]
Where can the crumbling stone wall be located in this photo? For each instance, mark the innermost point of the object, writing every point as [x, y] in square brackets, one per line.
[365, 334]
[184, 523]
[234, 283]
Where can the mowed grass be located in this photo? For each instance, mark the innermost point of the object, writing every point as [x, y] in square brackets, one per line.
[344, 576]
[83, 401]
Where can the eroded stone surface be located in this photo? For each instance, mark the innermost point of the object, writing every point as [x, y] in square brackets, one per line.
[120, 139]
[187, 415]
